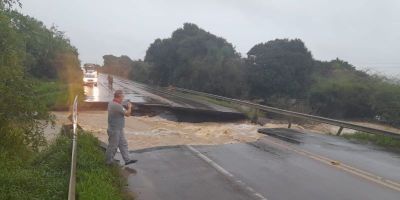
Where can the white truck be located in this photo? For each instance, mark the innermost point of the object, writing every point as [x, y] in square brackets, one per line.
[90, 78]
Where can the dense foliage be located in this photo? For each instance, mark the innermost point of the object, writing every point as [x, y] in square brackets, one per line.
[339, 90]
[47, 53]
[279, 68]
[280, 73]
[195, 59]
[29, 52]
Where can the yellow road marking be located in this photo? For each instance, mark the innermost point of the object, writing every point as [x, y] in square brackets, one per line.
[334, 163]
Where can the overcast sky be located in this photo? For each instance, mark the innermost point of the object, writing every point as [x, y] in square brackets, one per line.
[364, 32]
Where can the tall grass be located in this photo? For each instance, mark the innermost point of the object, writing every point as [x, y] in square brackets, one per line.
[45, 175]
[41, 175]
[95, 180]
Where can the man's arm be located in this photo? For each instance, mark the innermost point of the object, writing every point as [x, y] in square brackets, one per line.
[128, 112]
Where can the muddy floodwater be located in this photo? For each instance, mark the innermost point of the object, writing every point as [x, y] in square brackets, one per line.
[145, 132]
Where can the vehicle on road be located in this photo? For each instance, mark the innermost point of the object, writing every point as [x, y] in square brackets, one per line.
[90, 78]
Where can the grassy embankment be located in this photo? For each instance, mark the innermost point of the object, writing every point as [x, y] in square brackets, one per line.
[380, 140]
[45, 175]
[57, 94]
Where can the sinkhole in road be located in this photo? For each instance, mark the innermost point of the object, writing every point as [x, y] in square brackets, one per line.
[155, 131]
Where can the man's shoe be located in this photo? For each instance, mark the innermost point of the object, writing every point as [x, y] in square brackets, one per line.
[130, 162]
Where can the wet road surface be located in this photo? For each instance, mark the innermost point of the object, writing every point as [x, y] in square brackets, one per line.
[104, 93]
[139, 93]
[175, 173]
[268, 167]
[371, 158]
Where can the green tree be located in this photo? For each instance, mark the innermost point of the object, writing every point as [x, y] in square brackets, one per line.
[196, 59]
[123, 66]
[120, 66]
[28, 51]
[385, 100]
[48, 53]
[280, 67]
[340, 90]
[342, 95]
[20, 109]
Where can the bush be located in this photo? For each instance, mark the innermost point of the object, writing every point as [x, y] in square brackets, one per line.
[343, 95]
[385, 101]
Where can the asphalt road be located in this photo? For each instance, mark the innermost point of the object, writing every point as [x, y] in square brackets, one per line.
[381, 162]
[270, 168]
[104, 93]
[136, 93]
[176, 173]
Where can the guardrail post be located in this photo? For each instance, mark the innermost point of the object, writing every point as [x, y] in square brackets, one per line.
[339, 131]
[254, 115]
[290, 124]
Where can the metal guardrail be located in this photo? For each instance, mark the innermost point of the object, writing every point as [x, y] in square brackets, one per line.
[339, 123]
[72, 178]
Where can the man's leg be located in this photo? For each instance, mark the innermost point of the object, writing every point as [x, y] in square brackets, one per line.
[113, 141]
[123, 147]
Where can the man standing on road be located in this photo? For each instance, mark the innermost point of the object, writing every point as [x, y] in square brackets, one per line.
[115, 130]
[110, 81]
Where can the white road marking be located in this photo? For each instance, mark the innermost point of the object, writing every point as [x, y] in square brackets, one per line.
[227, 174]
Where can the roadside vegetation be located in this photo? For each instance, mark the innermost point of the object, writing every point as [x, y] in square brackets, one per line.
[380, 140]
[32, 175]
[45, 175]
[32, 56]
[96, 180]
[280, 73]
[56, 94]
[40, 70]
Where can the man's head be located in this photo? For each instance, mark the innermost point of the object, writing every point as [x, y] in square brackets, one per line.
[119, 95]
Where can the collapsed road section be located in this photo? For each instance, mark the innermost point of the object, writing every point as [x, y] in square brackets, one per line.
[151, 103]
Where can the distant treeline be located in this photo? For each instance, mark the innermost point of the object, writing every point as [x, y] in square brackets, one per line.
[281, 73]
[30, 55]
